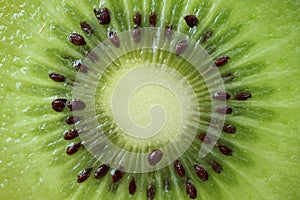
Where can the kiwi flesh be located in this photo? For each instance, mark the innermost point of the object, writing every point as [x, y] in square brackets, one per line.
[257, 155]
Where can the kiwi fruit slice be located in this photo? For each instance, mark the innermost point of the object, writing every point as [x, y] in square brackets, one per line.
[48, 51]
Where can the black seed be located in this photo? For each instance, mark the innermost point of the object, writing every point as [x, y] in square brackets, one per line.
[86, 27]
[72, 119]
[101, 171]
[137, 19]
[191, 20]
[117, 175]
[57, 77]
[114, 38]
[225, 150]
[136, 34]
[201, 172]
[92, 56]
[167, 184]
[76, 104]
[179, 168]
[59, 104]
[205, 36]
[168, 31]
[151, 192]
[73, 148]
[181, 46]
[154, 157]
[224, 110]
[132, 187]
[77, 39]
[222, 96]
[71, 134]
[79, 66]
[204, 138]
[103, 15]
[215, 166]
[243, 96]
[83, 175]
[190, 190]
[221, 61]
[227, 128]
[152, 19]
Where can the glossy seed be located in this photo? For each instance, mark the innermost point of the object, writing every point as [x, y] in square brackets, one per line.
[59, 104]
[216, 166]
[224, 110]
[225, 150]
[181, 46]
[86, 27]
[137, 19]
[92, 56]
[114, 38]
[191, 20]
[221, 96]
[136, 34]
[201, 172]
[222, 61]
[154, 157]
[152, 19]
[168, 31]
[57, 77]
[73, 148]
[227, 128]
[132, 187]
[77, 39]
[83, 175]
[103, 15]
[204, 138]
[179, 168]
[72, 119]
[205, 36]
[101, 171]
[76, 104]
[80, 66]
[243, 96]
[190, 190]
[117, 175]
[71, 134]
[151, 192]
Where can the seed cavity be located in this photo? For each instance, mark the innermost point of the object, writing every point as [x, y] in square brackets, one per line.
[132, 187]
[151, 192]
[168, 31]
[243, 96]
[77, 39]
[76, 104]
[114, 38]
[79, 66]
[137, 19]
[117, 175]
[205, 36]
[191, 20]
[201, 172]
[136, 34]
[227, 128]
[221, 96]
[225, 150]
[179, 168]
[101, 171]
[152, 19]
[73, 148]
[181, 47]
[215, 166]
[190, 190]
[204, 138]
[167, 184]
[71, 134]
[72, 119]
[59, 104]
[103, 16]
[83, 175]
[57, 77]
[222, 61]
[86, 27]
[224, 110]
[154, 157]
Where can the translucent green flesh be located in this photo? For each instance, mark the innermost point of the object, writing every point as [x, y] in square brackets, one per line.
[263, 42]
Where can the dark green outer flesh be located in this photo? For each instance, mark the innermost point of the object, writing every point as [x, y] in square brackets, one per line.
[31, 168]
